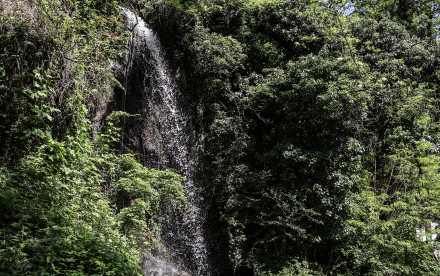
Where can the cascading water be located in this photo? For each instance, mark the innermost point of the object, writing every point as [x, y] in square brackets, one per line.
[166, 134]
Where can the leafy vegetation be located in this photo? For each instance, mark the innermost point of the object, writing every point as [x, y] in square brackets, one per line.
[70, 205]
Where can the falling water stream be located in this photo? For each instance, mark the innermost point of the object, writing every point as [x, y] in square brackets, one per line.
[168, 136]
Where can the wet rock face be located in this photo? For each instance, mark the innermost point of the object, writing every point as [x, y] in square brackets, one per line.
[140, 133]
[149, 83]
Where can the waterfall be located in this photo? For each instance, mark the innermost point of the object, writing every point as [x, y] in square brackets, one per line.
[165, 136]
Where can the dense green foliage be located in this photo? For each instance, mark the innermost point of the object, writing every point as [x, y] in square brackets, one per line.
[69, 204]
[321, 126]
[321, 120]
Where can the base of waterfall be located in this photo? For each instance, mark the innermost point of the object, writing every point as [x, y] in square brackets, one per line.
[158, 266]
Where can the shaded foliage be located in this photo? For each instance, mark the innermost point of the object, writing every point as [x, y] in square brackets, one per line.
[321, 130]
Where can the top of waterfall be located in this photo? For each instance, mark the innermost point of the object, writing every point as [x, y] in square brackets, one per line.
[134, 22]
